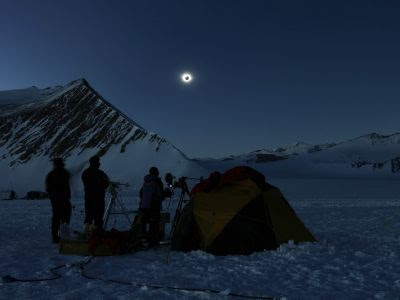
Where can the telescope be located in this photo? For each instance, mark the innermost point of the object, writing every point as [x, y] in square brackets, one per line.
[117, 184]
[181, 183]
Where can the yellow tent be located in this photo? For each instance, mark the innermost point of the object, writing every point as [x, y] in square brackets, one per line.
[237, 213]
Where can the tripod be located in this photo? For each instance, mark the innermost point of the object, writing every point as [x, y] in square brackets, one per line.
[184, 190]
[111, 207]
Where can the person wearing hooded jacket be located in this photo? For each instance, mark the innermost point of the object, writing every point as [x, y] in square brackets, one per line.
[57, 186]
[151, 196]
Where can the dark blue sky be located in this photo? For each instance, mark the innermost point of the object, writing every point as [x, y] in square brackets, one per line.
[267, 73]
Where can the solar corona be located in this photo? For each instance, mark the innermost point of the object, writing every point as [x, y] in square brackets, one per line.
[186, 78]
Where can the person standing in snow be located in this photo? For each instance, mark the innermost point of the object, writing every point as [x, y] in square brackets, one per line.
[151, 196]
[57, 186]
[95, 182]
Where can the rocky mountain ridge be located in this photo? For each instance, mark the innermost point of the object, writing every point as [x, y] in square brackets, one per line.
[78, 118]
[76, 122]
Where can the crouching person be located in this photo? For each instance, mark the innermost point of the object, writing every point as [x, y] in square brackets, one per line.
[151, 196]
[57, 186]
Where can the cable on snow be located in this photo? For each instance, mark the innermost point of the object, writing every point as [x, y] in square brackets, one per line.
[82, 264]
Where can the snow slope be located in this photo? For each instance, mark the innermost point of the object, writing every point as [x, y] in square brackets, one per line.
[24, 99]
[357, 256]
[75, 122]
[372, 155]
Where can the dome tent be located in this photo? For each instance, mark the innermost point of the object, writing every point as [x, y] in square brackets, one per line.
[237, 213]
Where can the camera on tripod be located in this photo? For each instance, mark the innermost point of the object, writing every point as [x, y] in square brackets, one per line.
[179, 184]
[115, 186]
[114, 189]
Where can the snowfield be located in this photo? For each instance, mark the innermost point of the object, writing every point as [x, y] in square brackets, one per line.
[357, 224]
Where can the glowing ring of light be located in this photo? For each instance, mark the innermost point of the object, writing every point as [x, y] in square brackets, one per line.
[186, 77]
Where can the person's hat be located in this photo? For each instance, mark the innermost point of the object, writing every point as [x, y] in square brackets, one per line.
[169, 178]
[94, 160]
[58, 162]
[154, 171]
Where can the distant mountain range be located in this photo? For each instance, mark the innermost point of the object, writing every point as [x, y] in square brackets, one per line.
[76, 122]
[372, 155]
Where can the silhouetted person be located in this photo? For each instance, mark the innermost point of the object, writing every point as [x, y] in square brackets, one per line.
[57, 186]
[151, 196]
[95, 182]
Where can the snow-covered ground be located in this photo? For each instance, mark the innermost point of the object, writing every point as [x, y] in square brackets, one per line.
[357, 223]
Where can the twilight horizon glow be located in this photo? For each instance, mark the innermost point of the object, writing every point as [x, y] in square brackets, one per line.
[265, 74]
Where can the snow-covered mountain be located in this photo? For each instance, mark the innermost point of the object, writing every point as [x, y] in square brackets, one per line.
[75, 122]
[372, 155]
[280, 153]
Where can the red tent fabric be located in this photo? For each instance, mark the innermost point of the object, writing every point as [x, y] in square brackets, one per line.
[217, 179]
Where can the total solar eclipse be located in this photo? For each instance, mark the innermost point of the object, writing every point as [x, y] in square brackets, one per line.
[186, 78]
